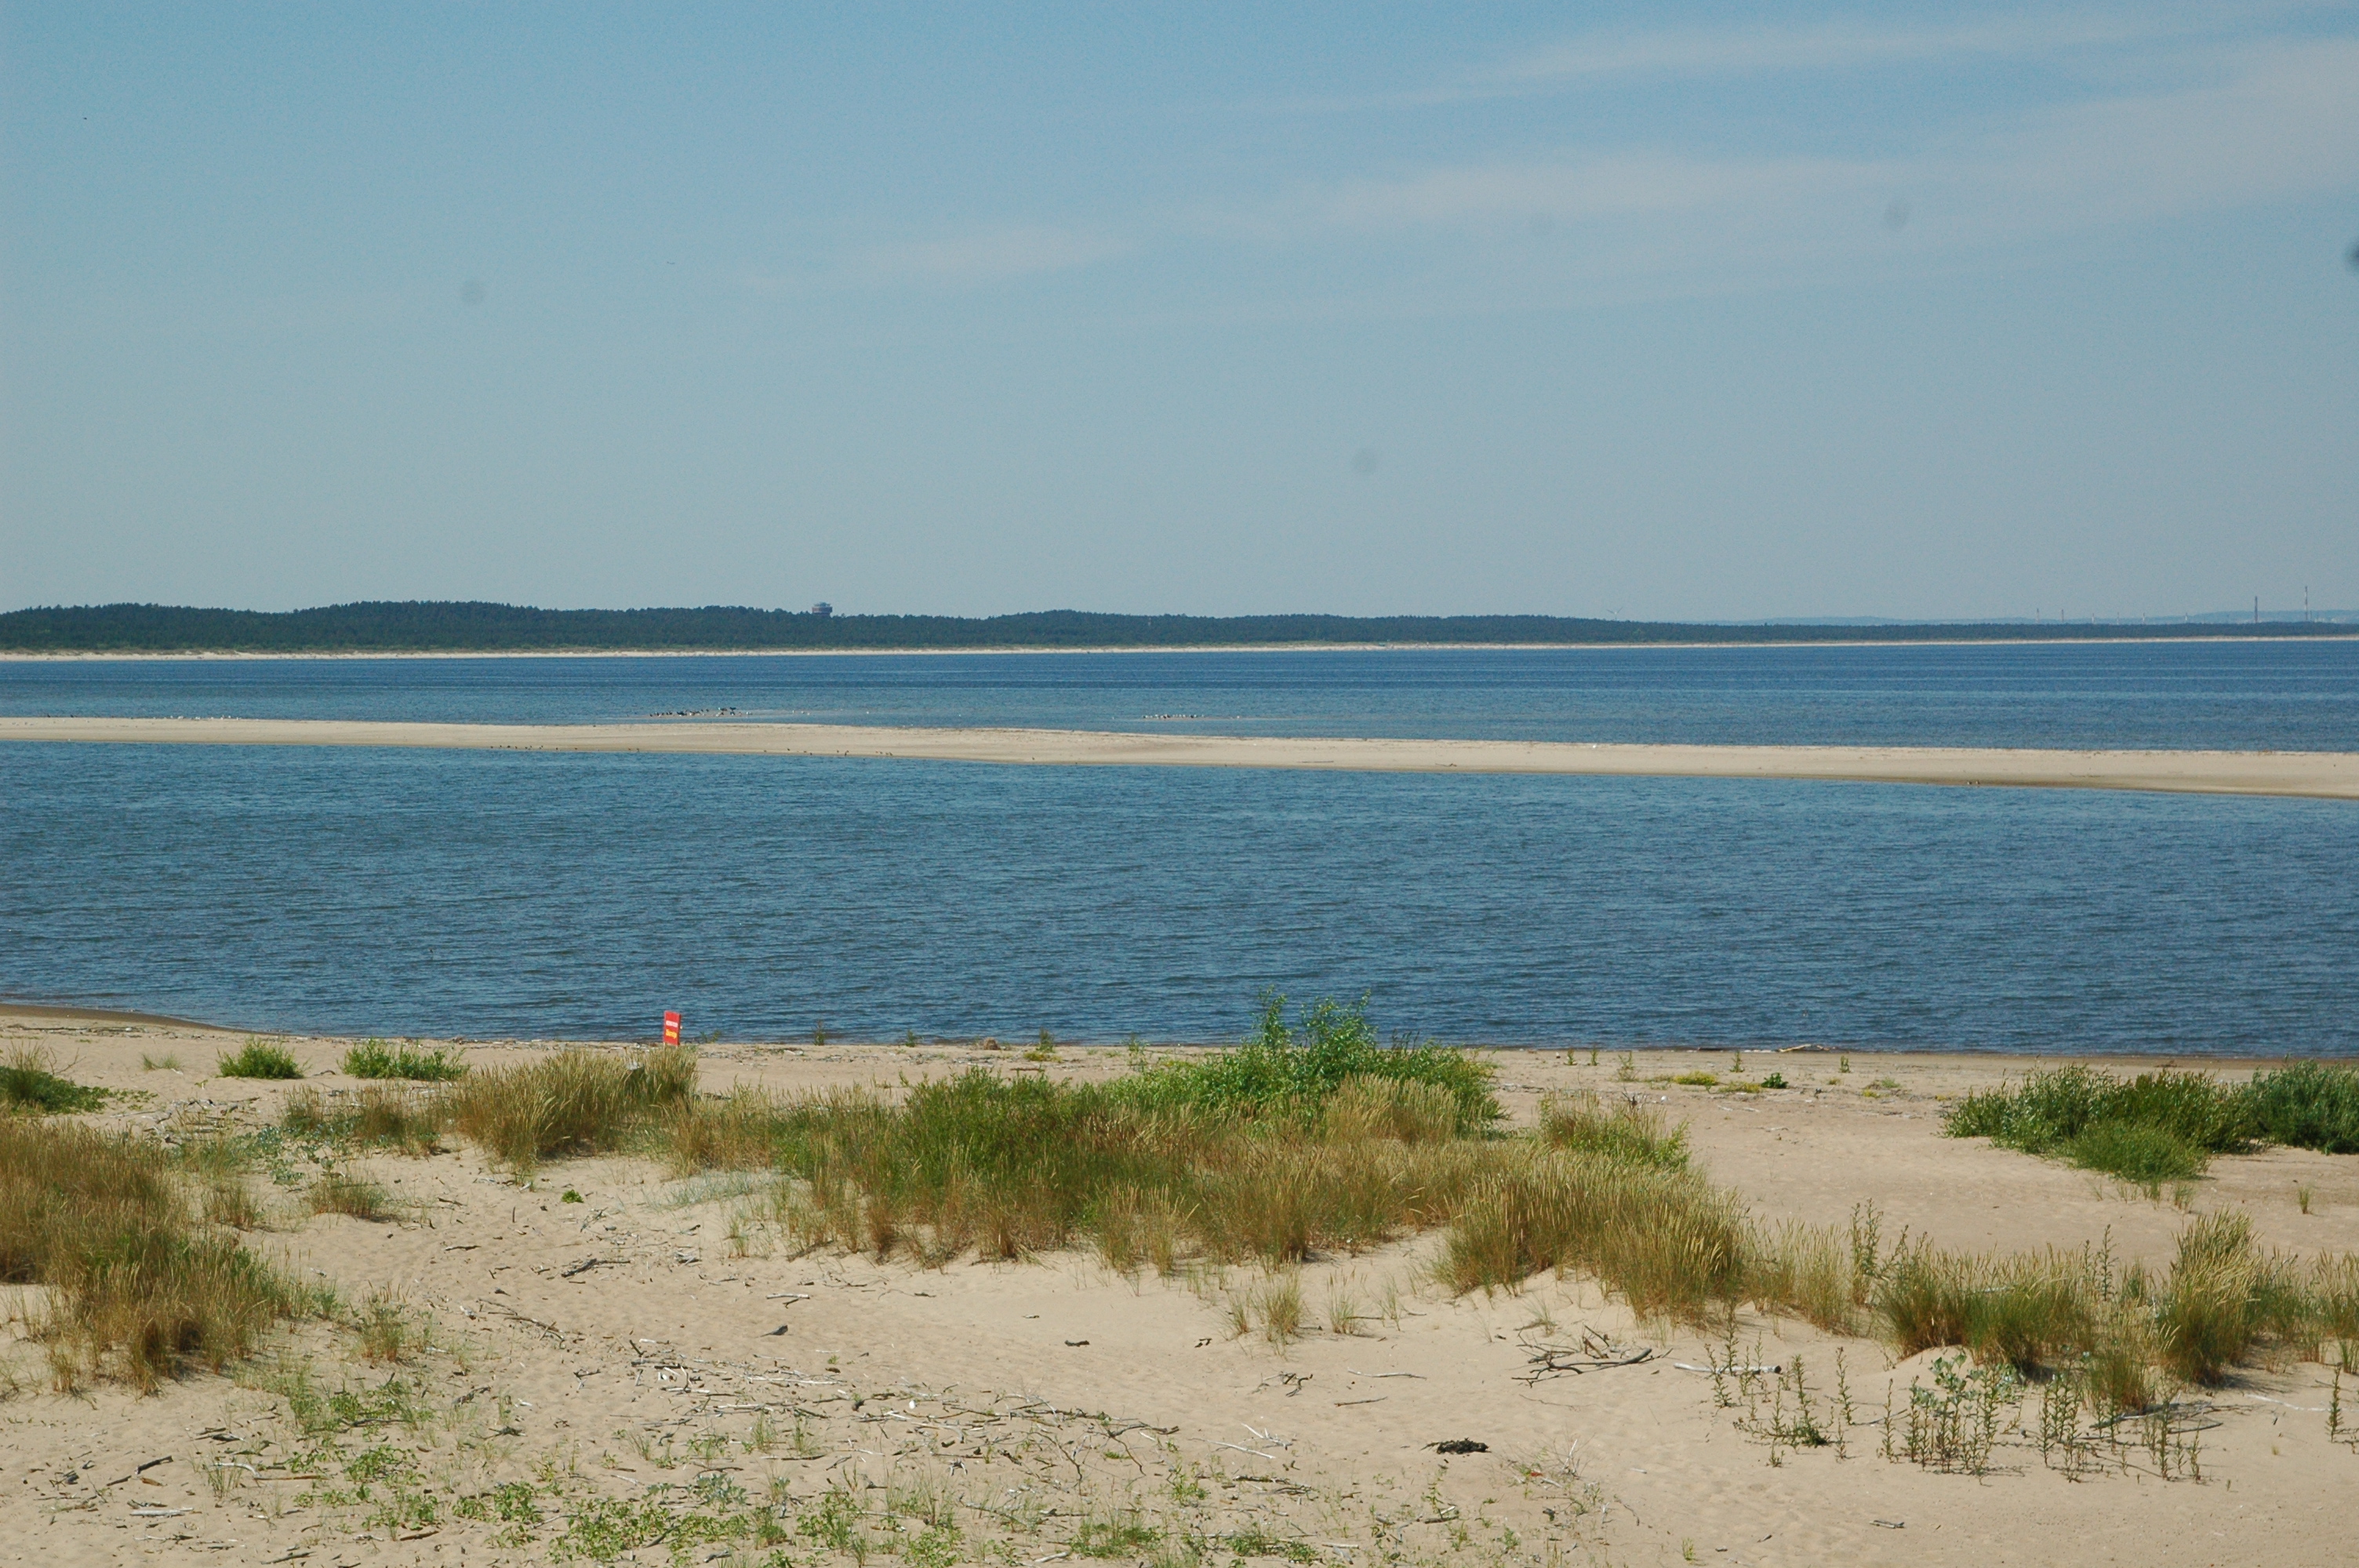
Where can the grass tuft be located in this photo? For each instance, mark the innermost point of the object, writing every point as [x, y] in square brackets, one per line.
[1283, 1070]
[260, 1059]
[1629, 1131]
[380, 1115]
[339, 1192]
[575, 1102]
[376, 1059]
[135, 1290]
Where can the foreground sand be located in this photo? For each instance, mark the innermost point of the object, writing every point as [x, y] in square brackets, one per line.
[592, 1349]
[2324, 774]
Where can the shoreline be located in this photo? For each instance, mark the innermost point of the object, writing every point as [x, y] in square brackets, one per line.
[51, 1016]
[234, 655]
[2326, 775]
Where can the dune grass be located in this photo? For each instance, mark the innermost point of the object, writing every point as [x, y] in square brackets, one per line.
[1266, 1162]
[260, 1059]
[575, 1102]
[376, 1059]
[380, 1115]
[29, 1082]
[136, 1288]
[339, 1192]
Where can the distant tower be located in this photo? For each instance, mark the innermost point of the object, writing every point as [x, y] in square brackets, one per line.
[824, 608]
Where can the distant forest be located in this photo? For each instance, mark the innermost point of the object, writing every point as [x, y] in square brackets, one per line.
[424, 627]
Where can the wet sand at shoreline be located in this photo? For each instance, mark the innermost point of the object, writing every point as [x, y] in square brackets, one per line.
[2333, 775]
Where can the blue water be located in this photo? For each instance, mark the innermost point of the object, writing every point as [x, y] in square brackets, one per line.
[2237, 696]
[495, 895]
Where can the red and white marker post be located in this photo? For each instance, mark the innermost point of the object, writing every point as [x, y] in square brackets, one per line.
[672, 1028]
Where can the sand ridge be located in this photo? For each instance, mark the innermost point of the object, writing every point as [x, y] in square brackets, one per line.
[2330, 775]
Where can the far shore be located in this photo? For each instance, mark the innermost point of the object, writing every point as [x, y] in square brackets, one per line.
[2327, 775]
[238, 654]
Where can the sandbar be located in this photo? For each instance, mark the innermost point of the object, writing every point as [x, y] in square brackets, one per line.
[2327, 775]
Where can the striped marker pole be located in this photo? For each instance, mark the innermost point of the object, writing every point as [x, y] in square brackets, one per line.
[672, 1028]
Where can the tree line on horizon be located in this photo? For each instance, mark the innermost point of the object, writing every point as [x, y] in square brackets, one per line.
[420, 626]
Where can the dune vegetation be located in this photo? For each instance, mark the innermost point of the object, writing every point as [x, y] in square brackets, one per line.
[2164, 1126]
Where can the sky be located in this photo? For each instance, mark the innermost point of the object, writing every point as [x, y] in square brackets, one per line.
[1665, 312]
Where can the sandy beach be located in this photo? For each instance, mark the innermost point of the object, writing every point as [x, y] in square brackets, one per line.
[2332, 775]
[607, 1327]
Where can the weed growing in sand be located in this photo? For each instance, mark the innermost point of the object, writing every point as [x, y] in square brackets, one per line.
[1277, 1301]
[260, 1059]
[376, 1059]
[386, 1333]
[1954, 1424]
[229, 1201]
[29, 1082]
[339, 1192]
[134, 1289]
[167, 1062]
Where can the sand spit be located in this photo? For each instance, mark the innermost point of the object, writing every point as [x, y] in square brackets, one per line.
[606, 1331]
[2333, 775]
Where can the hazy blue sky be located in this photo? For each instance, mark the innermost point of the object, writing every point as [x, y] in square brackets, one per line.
[1652, 310]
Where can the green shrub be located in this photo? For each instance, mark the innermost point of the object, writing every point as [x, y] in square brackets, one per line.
[2159, 1126]
[2308, 1105]
[28, 1082]
[375, 1059]
[260, 1060]
[2135, 1152]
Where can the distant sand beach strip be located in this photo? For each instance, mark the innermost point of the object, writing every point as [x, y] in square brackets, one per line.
[2327, 775]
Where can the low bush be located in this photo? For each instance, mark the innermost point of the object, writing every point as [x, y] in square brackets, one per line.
[376, 1059]
[2308, 1105]
[2159, 1126]
[29, 1082]
[260, 1059]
